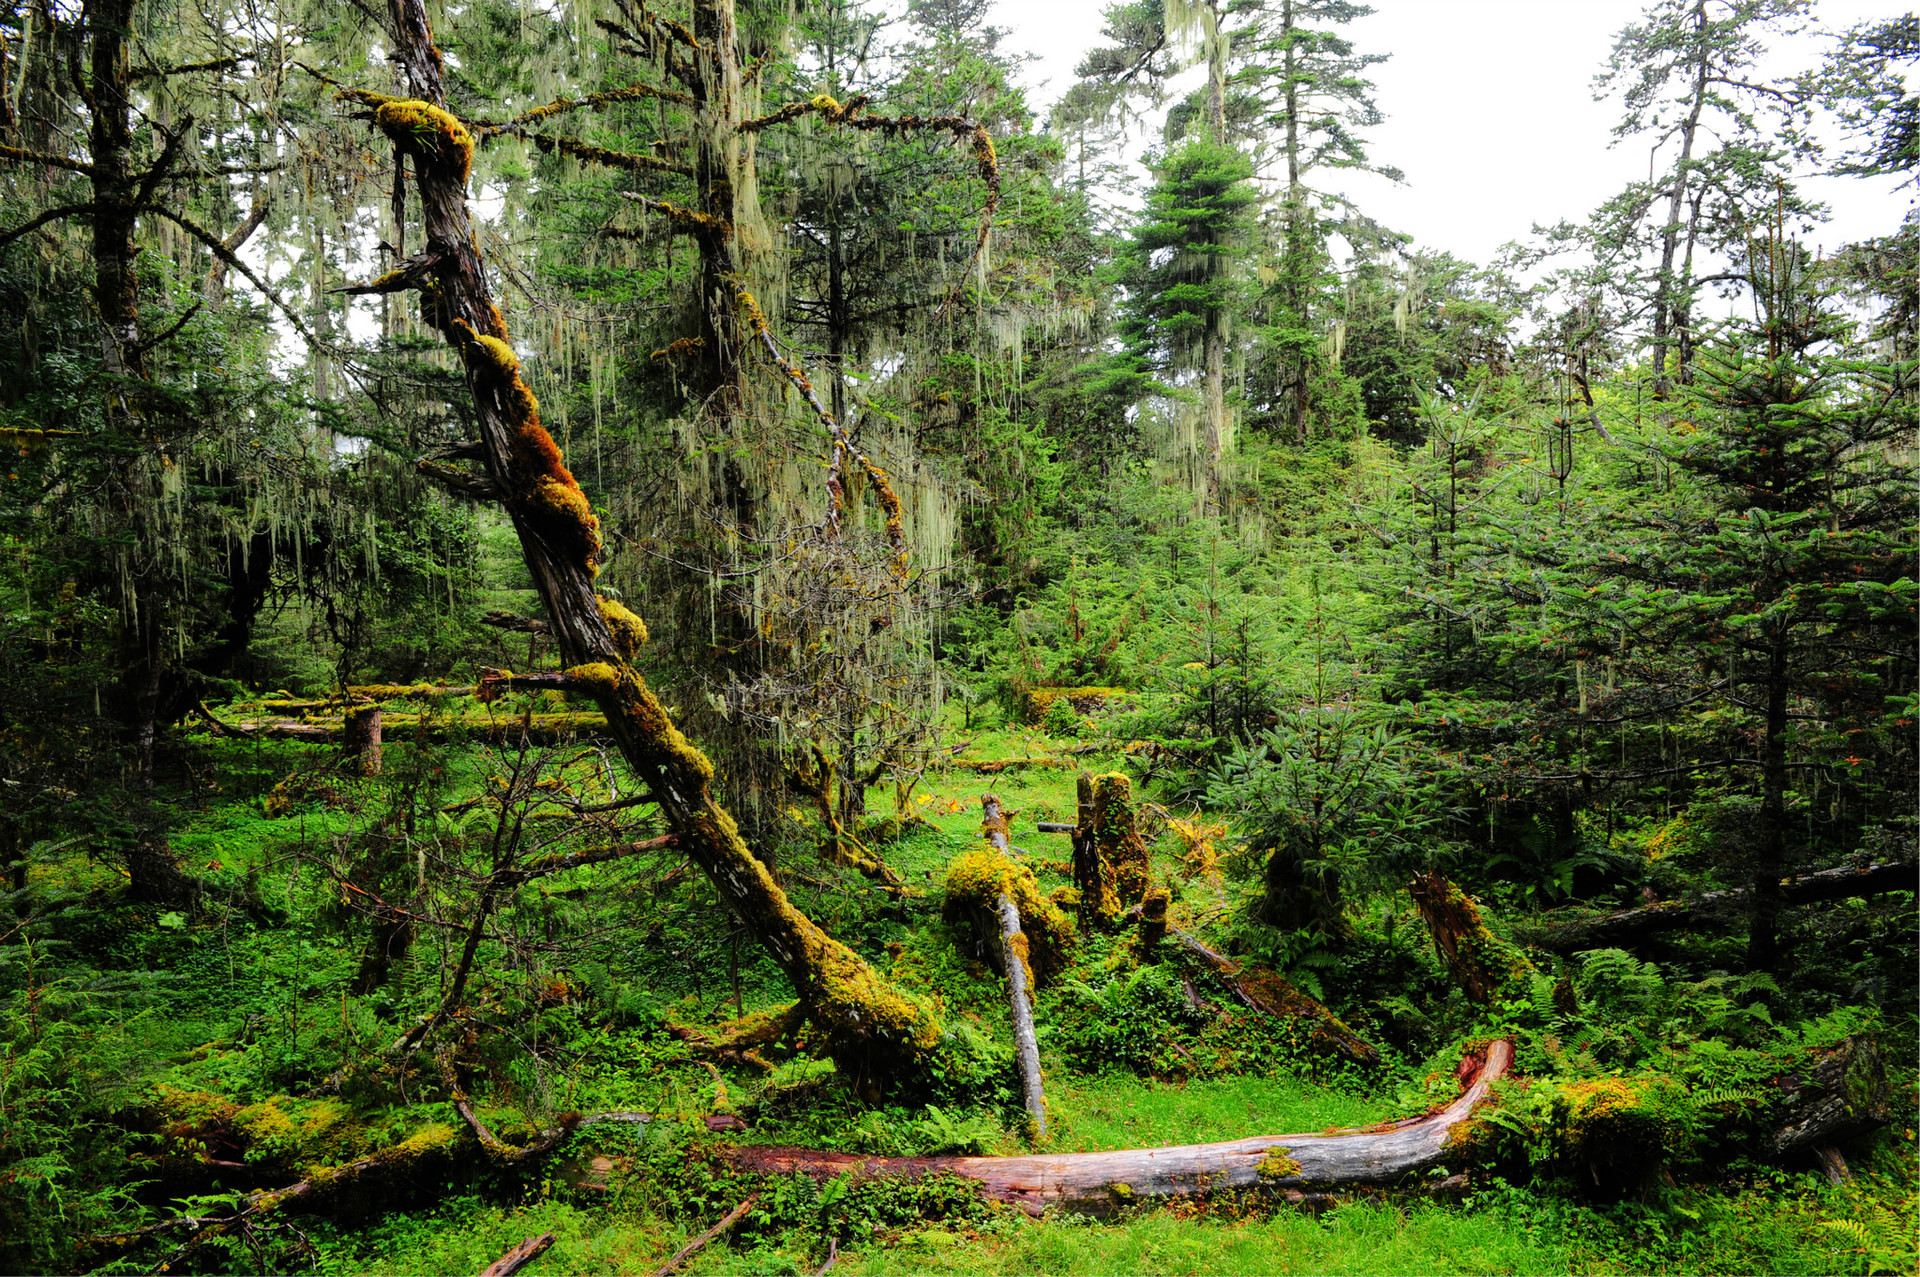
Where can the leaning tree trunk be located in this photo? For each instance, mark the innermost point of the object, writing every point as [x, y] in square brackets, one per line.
[873, 1030]
[999, 901]
[1480, 962]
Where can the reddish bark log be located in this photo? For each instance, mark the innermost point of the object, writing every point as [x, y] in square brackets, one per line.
[1292, 1165]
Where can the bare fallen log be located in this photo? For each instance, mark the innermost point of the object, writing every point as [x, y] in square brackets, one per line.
[1289, 1165]
[519, 1257]
[1628, 927]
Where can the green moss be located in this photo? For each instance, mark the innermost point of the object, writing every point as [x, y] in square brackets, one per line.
[976, 880]
[428, 132]
[628, 630]
[1277, 1165]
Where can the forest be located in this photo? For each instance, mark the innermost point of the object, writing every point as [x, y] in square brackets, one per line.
[686, 636]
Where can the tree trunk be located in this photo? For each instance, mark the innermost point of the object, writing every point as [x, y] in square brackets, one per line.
[1117, 841]
[1481, 963]
[1763, 934]
[1098, 906]
[1287, 1165]
[873, 1031]
[1842, 1095]
[1666, 295]
[1014, 955]
[360, 739]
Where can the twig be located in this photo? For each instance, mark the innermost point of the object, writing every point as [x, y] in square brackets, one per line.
[697, 1243]
[519, 1257]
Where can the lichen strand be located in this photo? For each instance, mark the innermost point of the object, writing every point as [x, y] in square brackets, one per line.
[975, 882]
[544, 489]
[1480, 962]
[1116, 836]
[427, 132]
[628, 630]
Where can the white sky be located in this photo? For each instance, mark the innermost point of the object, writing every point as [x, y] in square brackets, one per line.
[1490, 112]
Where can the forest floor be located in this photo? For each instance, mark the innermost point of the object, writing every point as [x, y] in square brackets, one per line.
[245, 1009]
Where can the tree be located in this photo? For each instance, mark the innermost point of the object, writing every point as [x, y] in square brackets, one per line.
[873, 1030]
[1687, 76]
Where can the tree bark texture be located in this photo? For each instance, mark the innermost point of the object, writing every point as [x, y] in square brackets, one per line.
[872, 1029]
[360, 740]
[991, 895]
[1090, 876]
[1481, 963]
[1287, 1165]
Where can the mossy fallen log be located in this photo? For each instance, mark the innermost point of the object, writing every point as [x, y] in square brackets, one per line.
[1628, 927]
[1290, 1166]
[536, 729]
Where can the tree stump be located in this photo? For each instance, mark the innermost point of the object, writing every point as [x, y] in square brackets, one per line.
[360, 740]
[1116, 836]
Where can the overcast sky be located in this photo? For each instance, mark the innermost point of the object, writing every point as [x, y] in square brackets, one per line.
[1490, 112]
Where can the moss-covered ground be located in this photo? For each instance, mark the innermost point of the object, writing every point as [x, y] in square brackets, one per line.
[255, 1008]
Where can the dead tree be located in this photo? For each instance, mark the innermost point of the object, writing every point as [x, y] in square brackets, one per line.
[1121, 851]
[1480, 962]
[1000, 900]
[1288, 1166]
[871, 1029]
[1629, 927]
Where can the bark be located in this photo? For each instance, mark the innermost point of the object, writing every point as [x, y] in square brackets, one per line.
[1763, 931]
[534, 729]
[1274, 995]
[360, 738]
[1013, 950]
[1480, 962]
[519, 1257]
[686, 1252]
[872, 1030]
[1090, 876]
[1844, 1093]
[1629, 927]
[1669, 297]
[1289, 1165]
[1117, 841]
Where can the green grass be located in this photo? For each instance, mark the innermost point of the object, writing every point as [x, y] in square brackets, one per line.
[1130, 1112]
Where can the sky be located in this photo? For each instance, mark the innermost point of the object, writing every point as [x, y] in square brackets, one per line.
[1490, 112]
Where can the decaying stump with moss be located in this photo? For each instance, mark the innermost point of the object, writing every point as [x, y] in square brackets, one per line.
[1117, 841]
[1091, 877]
[1480, 962]
[872, 1029]
[1023, 934]
[360, 740]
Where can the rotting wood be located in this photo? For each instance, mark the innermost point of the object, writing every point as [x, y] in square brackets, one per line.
[1628, 927]
[1293, 1166]
[1481, 963]
[360, 739]
[699, 1243]
[1273, 995]
[1117, 841]
[535, 729]
[1843, 1094]
[519, 1257]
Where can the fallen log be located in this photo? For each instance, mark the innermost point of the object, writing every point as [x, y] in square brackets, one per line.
[1842, 1094]
[537, 729]
[1290, 1165]
[519, 1257]
[1272, 994]
[1627, 927]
